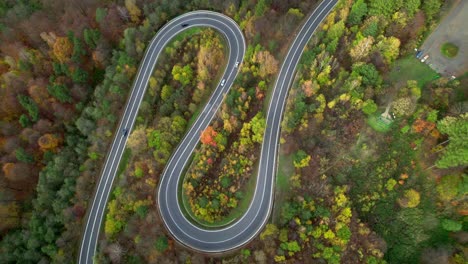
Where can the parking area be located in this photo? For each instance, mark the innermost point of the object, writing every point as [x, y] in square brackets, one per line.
[453, 29]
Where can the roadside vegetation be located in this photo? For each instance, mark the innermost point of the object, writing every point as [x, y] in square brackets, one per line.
[449, 50]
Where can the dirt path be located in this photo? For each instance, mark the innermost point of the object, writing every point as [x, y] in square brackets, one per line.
[453, 28]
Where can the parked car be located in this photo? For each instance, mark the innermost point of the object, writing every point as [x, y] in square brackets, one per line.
[419, 54]
[425, 58]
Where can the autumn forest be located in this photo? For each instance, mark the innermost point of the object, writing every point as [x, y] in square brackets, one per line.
[372, 160]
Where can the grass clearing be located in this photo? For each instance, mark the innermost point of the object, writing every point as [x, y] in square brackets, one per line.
[410, 68]
[379, 125]
[285, 170]
[283, 187]
[124, 161]
[449, 50]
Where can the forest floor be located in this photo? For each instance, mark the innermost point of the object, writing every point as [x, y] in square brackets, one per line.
[451, 29]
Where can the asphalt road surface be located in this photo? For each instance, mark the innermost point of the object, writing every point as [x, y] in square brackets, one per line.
[251, 223]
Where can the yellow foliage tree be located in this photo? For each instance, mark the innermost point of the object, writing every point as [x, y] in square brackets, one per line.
[268, 63]
[270, 230]
[133, 9]
[410, 199]
[62, 49]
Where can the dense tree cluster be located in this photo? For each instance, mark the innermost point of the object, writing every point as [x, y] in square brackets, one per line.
[344, 73]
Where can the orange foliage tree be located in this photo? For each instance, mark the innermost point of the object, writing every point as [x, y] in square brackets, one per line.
[48, 142]
[422, 126]
[208, 136]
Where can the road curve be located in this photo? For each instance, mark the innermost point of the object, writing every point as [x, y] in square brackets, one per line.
[236, 42]
[251, 223]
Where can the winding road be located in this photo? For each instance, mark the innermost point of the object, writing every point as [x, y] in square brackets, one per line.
[251, 223]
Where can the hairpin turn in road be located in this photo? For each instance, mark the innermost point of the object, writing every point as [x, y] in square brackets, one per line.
[251, 223]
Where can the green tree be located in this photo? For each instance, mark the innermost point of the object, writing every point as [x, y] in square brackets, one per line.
[260, 8]
[358, 11]
[296, 12]
[23, 156]
[291, 246]
[79, 76]
[142, 211]
[258, 124]
[301, 159]
[369, 107]
[30, 106]
[24, 120]
[154, 139]
[245, 253]
[368, 72]
[225, 182]
[390, 48]
[178, 127]
[182, 74]
[448, 187]
[411, 6]
[78, 50]
[166, 92]
[101, 13]
[336, 31]
[344, 233]
[60, 91]
[451, 225]
[91, 37]
[456, 153]
[161, 243]
[382, 8]
[300, 107]
[370, 27]
[431, 7]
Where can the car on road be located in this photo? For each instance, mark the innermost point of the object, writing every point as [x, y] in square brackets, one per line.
[184, 25]
[125, 132]
[425, 58]
[419, 54]
[236, 65]
[223, 82]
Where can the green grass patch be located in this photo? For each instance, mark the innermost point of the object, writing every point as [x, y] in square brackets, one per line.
[285, 170]
[283, 186]
[378, 124]
[124, 161]
[410, 68]
[195, 115]
[186, 34]
[449, 50]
